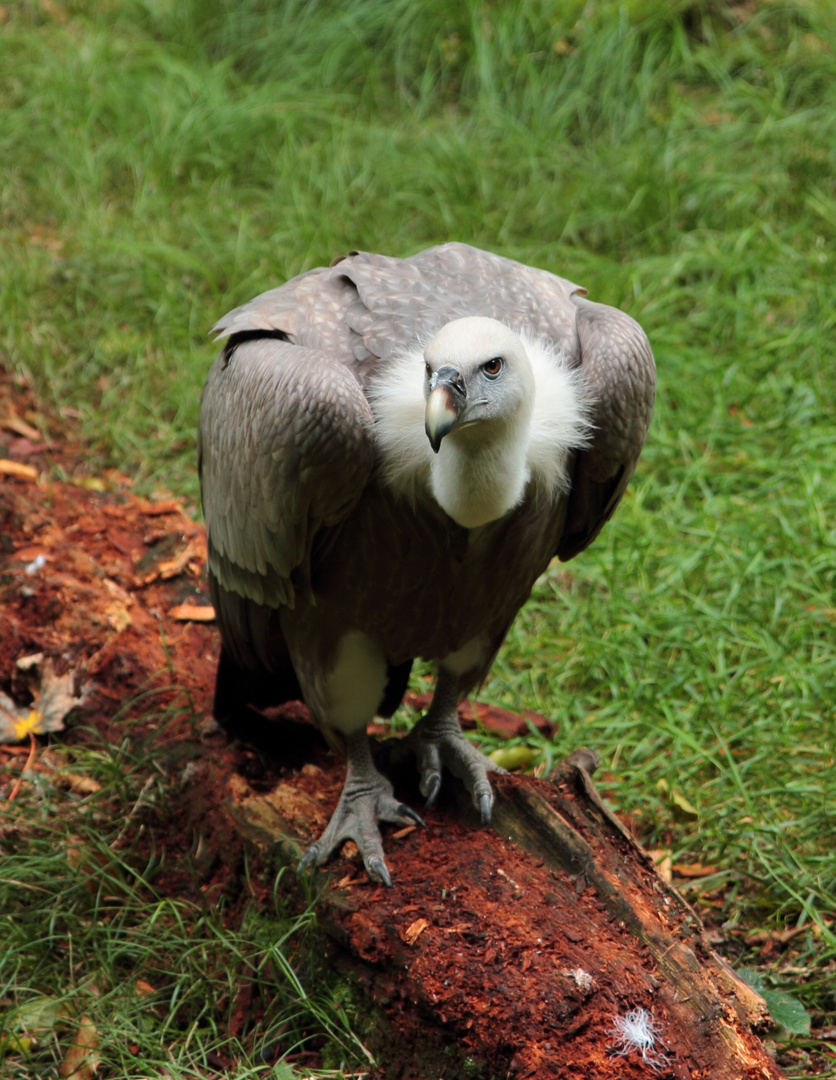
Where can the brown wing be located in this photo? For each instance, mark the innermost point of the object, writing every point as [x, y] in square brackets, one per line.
[366, 308]
[615, 355]
[404, 301]
[284, 448]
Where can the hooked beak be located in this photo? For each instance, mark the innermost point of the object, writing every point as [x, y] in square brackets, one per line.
[445, 403]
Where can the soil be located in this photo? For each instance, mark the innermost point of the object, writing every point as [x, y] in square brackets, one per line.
[480, 961]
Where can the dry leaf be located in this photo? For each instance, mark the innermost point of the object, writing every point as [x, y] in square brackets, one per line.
[414, 931]
[92, 483]
[662, 861]
[54, 698]
[81, 1060]
[192, 613]
[15, 468]
[117, 616]
[694, 870]
[172, 567]
[164, 506]
[168, 558]
[82, 785]
[20, 427]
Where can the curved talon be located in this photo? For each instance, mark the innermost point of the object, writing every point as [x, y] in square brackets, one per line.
[434, 785]
[485, 808]
[407, 811]
[377, 869]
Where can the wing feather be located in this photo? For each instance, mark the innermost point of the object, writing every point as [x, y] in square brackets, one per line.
[284, 448]
[368, 309]
[618, 365]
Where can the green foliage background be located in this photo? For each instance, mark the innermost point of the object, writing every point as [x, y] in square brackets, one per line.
[163, 161]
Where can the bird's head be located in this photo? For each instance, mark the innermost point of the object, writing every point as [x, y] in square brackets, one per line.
[478, 378]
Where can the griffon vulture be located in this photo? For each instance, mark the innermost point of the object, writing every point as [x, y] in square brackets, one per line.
[390, 452]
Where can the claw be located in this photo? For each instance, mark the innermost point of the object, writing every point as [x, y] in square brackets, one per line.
[407, 811]
[376, 869]
[485, 808]
[434, 785]
[309, 859]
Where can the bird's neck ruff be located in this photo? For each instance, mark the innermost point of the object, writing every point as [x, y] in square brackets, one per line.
[481, 470]
[478, 476]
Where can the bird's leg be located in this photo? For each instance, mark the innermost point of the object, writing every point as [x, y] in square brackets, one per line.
[366, 799]
[437, 740]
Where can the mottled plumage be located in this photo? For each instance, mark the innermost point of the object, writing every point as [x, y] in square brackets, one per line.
[332, 562]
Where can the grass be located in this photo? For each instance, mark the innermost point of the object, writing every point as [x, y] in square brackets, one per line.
[165, 161]
[165, 986]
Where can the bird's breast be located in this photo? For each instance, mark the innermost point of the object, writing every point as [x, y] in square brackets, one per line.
[421, 585]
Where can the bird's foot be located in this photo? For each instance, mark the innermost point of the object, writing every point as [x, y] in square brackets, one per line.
[365, 800]
[438, 741]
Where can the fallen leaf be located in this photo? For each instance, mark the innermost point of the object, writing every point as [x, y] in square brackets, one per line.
[493, 718]
[683, 809]
[81, 1060]
[172, 567]
[694, 870]
[82, 785]
[168, 558]
[29, 552]
[16, 1044]
[192, 613]
[54, 698]
[662, 861]
[39, 1017]
[414, 931]
[92, 483]
[513, 757]
[164, 506]
[118, 616]
[20, 427]
[14, 468]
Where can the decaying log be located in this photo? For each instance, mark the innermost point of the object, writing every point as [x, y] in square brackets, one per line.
[523, 950]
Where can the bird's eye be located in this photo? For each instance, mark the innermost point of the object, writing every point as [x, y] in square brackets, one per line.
[428, 370]
[492, 367]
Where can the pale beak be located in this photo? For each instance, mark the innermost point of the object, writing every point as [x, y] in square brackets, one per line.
[445, 403]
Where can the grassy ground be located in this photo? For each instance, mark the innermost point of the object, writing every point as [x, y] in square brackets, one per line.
[163, 161]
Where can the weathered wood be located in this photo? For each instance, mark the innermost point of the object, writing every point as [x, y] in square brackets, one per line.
[516, 949]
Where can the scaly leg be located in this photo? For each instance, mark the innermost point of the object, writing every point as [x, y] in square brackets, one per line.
[437, 740]
[366, 799]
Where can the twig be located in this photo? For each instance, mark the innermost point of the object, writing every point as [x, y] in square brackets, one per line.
[19, 782]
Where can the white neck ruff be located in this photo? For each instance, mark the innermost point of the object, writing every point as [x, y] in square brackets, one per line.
[480, 474]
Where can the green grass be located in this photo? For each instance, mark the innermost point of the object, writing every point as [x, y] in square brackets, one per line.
[172, 987]
[163, 161]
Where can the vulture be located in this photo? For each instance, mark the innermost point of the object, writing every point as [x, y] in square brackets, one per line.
[391, 451]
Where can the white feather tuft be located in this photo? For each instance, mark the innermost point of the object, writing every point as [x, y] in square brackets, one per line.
[559, 425]
[397, 401]
[561, 420]
[638, 1031]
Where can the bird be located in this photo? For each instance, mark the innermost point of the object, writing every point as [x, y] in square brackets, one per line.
[391, 451]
